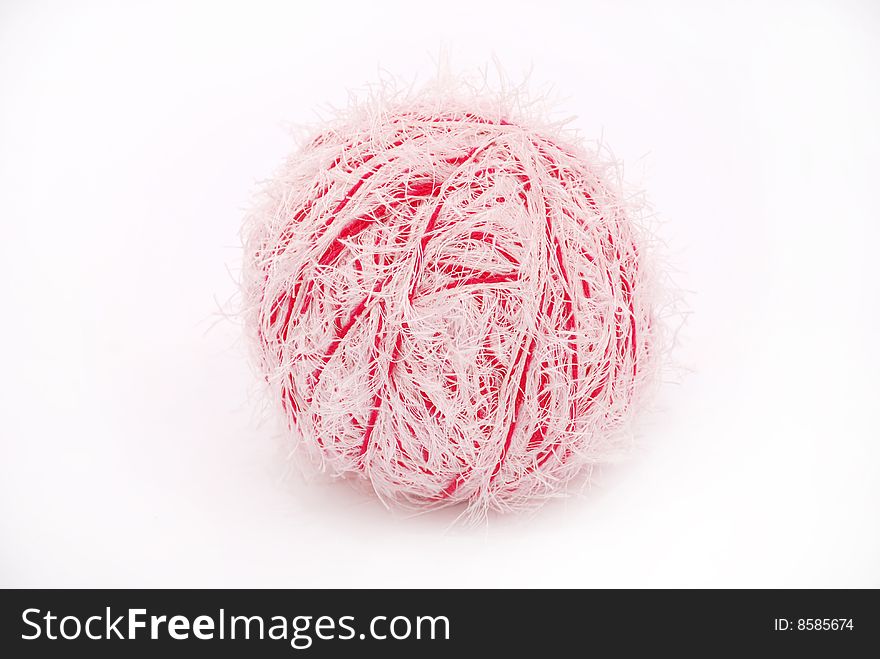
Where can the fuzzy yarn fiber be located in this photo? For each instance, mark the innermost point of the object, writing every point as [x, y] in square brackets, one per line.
[449, 300]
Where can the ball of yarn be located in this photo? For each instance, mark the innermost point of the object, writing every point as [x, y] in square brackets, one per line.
[449, 302]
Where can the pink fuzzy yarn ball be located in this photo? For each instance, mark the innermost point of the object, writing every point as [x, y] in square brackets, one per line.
[450, 302]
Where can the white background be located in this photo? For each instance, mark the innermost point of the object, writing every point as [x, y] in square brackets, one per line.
[131, 136]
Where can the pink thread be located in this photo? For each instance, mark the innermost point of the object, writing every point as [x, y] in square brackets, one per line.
[450, 305]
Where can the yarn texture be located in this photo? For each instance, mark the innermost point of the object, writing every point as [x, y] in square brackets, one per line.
[449, 299]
